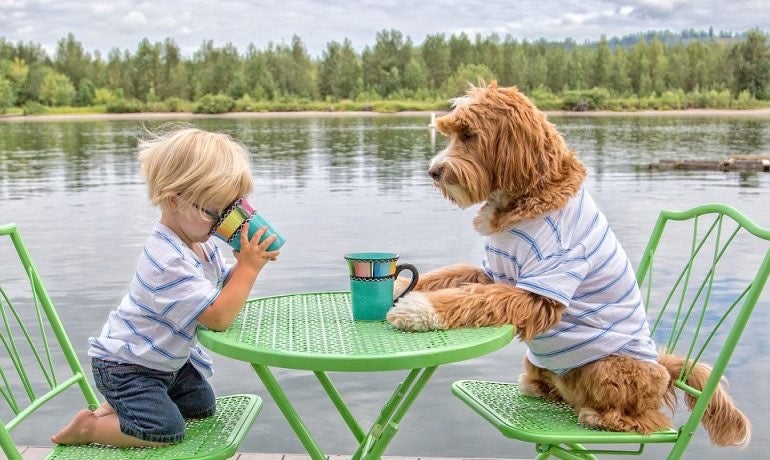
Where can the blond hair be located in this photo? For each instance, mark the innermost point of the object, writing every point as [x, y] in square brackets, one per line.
[200, 166]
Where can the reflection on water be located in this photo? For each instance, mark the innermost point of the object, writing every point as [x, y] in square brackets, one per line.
[345, 184]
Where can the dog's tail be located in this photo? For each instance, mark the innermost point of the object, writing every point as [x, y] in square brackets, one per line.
[725, 423]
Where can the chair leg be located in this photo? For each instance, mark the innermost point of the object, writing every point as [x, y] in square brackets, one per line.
[568, 452]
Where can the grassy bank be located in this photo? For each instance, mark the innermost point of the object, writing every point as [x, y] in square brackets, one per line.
[597, 99]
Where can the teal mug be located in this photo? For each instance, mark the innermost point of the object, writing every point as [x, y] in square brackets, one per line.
[240, 211]
[372, 277]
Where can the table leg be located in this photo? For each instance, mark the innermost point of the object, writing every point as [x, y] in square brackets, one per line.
[393, 411]
[373, 444]
[279, 396]
[342, 408]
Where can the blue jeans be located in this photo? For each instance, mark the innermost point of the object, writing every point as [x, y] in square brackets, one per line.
[151, 405]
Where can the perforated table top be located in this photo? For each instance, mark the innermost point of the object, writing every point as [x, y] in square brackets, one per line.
[316, 331]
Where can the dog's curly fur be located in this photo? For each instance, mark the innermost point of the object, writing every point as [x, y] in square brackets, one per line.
[504, 153]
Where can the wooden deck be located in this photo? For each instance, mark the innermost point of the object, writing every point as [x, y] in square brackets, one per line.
[39, 453]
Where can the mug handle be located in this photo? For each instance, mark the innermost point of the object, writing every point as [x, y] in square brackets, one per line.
[415, 277]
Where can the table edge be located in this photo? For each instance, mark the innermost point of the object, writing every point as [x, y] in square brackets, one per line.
[362, 363]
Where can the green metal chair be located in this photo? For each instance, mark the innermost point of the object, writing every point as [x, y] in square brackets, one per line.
[709, 272]
[38, 364]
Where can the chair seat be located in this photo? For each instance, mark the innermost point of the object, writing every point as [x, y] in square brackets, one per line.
[540, 420]
[215, 437]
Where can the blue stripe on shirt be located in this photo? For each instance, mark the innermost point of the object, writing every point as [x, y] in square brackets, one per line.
[547, 291]
[554, 228]
[171, 243]
[619, 277]
[151, 342]
[500, 252]
[529, 240]
[584, 343]
[153, 261]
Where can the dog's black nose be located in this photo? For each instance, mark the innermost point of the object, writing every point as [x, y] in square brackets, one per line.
[435, 172]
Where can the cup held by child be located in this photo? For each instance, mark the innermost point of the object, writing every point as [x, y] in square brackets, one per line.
[228, 227]
[372, 276]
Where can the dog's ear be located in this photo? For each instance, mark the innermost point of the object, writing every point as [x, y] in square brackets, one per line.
[529, 149]
[445, 124]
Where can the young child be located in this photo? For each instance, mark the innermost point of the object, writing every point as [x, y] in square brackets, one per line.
[147, 362]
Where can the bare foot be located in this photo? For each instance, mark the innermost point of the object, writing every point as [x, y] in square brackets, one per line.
[78, 431]
[104, 409]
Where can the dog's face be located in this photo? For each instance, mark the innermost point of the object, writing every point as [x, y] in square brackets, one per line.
[498, 143]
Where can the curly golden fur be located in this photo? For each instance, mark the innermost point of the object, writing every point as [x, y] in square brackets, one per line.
[504, 153]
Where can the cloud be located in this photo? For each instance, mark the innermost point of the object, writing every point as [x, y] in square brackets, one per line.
[106, 24]
[134, 19]
[659, 9]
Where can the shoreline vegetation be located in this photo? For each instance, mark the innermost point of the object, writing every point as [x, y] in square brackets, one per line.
[184, 116]
[654, 71]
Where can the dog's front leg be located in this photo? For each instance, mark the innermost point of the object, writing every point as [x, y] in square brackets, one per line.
[476, 305]
[446, 277]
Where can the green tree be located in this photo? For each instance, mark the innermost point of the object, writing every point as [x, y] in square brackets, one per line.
[602, 65]
[258, 79]
[415, 75]
[460, 51]
[639, 69]
[619, 80]
[71, 60]
[557, 68]
[86, 93]
[146, 70]
[471, 74]
[579, 68]
[18, 70]
[679, 74]
[56, 89]
[14, 71]
[215, 68]
[514, 63]
[291, 69]
[658, 65]
[303, 72]
[172, 81]
[339, 71]
[7, 96]
[751, 64]
[487, 51]
[435, 55]
[535, 69]
[385, 65]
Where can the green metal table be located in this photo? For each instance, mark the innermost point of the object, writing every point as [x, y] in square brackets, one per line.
[316, 332]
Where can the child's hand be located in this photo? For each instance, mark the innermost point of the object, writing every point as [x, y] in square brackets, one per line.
[254, 253]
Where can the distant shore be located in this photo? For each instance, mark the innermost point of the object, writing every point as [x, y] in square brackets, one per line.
[161, 116]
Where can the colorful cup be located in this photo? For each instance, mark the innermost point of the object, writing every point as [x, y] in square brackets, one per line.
[228, 227]
[372, 277]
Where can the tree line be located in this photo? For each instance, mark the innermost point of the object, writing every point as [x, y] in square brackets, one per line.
[709, 70]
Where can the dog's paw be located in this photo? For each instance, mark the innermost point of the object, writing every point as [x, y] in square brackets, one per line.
[527, 387]
[414, 312]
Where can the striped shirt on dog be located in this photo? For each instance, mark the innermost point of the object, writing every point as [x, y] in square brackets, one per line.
[155, 324]
[572, 256]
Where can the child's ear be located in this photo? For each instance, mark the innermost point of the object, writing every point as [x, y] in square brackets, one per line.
[171, 203]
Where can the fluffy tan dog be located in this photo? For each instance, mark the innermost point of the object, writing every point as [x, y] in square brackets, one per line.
[554, 270]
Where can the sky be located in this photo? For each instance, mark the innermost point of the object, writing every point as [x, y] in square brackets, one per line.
[107, 24]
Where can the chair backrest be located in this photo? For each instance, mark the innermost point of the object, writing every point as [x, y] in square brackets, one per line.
[701, 276]
[37, 361]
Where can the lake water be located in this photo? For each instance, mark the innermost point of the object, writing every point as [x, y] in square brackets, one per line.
[342, 184]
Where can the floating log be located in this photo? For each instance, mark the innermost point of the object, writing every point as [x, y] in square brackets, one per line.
[742, 163]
